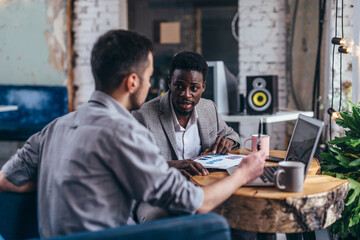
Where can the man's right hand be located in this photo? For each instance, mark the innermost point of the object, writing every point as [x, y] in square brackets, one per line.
[252, 166]
[249, 169]
[188, 167]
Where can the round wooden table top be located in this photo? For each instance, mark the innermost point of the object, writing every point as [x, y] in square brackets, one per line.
[271, 192]
[269, 210]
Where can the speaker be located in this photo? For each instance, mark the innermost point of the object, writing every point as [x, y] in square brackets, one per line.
[262, 94]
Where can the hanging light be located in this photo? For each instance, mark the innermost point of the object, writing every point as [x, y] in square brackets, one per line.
[334, 114]
[347, 41]
[353, 50]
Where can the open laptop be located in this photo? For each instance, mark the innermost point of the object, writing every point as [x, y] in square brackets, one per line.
[302, 147]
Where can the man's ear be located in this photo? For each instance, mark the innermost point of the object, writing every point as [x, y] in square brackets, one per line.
[204, 85]
[132, 82]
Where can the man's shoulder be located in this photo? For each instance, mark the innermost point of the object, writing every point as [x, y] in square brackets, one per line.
[206, 104]
[150, 106]
[99, 118]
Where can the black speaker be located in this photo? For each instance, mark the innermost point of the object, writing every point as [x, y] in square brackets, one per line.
[262, 94]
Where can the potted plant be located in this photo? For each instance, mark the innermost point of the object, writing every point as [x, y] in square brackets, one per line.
[343, 161]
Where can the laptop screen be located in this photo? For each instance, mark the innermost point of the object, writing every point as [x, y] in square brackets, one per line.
[304, 141]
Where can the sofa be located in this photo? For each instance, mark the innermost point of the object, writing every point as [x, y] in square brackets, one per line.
[18, 220]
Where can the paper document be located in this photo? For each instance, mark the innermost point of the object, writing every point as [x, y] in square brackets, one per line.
[219, 161]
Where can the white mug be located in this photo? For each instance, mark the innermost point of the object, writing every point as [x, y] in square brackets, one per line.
[290, 176]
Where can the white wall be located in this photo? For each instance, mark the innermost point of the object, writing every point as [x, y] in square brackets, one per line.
[92, 19]
[261, 47]
[262, 44]
[347, 68]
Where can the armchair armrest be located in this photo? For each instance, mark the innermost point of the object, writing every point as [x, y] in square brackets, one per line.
[202, 226]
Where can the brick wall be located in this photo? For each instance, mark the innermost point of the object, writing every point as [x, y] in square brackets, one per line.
[346, 59]
[91, 19]
[262, 44]
[262, 47]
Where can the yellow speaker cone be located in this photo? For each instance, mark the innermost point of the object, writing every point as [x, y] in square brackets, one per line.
[259, 98]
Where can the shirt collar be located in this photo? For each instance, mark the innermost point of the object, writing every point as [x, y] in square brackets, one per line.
[107, 101]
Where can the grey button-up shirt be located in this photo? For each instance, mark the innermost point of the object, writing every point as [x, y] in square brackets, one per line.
[92, 164]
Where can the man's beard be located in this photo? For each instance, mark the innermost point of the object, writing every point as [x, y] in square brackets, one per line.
[182, 113]
[135, 100]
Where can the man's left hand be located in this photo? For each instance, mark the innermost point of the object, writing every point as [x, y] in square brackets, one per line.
[221, 146]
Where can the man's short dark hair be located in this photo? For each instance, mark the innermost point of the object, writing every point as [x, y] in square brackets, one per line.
[189, 61]
[115, 55]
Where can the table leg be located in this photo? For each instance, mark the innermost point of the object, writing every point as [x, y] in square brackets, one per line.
[309, 235]
[300, 236]
[266, 236]
[294, 236]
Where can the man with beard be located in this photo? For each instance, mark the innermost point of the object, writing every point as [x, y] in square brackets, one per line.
[184, 124]
[90, 166]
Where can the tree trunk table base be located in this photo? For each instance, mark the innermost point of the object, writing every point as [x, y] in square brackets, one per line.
[269, 210]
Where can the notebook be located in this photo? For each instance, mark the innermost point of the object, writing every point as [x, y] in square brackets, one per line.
[302, 146]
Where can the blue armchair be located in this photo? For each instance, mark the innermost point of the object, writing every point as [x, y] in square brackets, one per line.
[18, 220]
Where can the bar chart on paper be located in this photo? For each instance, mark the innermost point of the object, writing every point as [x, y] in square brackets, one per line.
[219, 161]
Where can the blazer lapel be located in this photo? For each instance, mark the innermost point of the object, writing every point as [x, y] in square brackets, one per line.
[167, 122]
[203, 127]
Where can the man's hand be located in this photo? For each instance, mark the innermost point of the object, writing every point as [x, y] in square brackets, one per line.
[221, 146]
[252, 166]
[188, 167]
[249, 169]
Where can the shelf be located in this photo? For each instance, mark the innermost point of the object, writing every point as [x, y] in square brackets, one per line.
[280, 116]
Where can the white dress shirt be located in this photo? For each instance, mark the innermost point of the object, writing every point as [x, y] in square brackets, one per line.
[188, 138]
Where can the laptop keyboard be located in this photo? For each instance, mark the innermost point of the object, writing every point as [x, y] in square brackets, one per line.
[268, 175]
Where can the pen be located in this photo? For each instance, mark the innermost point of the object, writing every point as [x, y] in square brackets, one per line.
[259, 135]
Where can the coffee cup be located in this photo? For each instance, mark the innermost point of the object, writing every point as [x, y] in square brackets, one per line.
[290, 176]
[264, 143]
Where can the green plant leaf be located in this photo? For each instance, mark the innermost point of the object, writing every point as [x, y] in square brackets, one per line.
[356, 111]
[338, 140]
[352, 195]
[340, 122]
[354, 220]
[329, 167]
[328, 157]
[354, 142]
[355, 163]
[350, 122]
[343, 161]
[334, 150]
[329, 173]
[340, 175]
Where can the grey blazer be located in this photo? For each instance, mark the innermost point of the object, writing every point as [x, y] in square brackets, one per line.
[157, 117]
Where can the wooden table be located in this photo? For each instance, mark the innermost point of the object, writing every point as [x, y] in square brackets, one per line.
[269, 210]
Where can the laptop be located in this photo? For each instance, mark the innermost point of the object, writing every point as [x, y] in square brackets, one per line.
[302, 146]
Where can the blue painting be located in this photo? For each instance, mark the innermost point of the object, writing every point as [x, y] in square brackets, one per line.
[37, 106]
